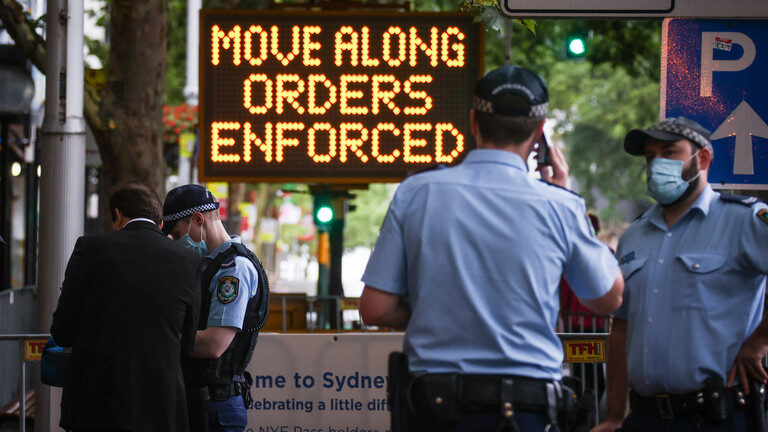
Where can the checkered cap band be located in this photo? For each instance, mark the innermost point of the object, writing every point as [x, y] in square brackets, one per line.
[191, 211]
[482, 105]
[677, 129]
[539, 110]
[485, 106]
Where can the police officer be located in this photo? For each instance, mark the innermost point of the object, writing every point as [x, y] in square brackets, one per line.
[235, 302]
[469, 260]
[695, 268]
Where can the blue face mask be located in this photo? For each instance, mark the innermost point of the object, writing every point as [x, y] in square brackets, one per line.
[665, 179]
[199, 247]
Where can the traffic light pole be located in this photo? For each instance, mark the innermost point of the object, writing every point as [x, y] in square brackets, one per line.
[323, 262]
[329, 217]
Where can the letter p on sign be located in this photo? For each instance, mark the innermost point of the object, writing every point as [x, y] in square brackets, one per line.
[710, 65]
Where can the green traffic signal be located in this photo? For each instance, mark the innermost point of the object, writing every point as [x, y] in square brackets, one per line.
[576, 47]
[324, 214]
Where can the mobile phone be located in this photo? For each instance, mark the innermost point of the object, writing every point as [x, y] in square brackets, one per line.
[543, 156]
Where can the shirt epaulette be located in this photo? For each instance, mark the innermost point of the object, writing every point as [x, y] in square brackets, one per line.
[640, 216]
[562, 188]
[229, 262]
[748, 201]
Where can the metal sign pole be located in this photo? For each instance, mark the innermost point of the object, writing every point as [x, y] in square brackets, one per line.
[62, 195]
[22, 390]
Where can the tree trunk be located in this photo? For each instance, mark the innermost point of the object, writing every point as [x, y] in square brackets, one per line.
[131, 108]
[236, 193]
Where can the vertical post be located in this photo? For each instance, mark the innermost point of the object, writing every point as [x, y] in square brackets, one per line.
[193, 35]
[5, 206]
[191, 91]
[22, 389]
[323, 272]
[30, 236]
[337, 249]
[283, 318]
[336, 288]
[63, 173]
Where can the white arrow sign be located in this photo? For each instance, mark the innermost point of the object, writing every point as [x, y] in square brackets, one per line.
[743, 122]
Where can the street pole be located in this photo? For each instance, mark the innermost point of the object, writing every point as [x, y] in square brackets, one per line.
[193, 34]
[191, 91]
[323, 262]
[5, 206]
[62, 194]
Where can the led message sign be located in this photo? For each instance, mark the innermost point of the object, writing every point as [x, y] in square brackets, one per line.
[334, 96]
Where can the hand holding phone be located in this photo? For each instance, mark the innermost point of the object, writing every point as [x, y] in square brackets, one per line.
[551, 163]
[543, 154]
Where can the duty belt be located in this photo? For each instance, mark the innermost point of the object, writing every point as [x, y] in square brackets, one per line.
[670, 406]
[481, 392]
[218, 392]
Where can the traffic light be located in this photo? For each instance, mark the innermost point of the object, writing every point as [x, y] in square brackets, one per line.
[323, 210]
[576, 46]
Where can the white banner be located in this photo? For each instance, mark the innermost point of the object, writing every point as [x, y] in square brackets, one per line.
[321, 382]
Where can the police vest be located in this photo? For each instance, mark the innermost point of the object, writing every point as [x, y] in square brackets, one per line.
[200, 372]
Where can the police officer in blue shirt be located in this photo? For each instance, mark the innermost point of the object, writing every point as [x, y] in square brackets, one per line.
[235, 303]
[469, 260]
[691, 323]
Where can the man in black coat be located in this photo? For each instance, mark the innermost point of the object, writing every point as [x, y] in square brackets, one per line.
[128, 308]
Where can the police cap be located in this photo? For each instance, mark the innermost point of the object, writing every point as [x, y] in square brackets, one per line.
[671, 129]
[184, 201]
[491, 89]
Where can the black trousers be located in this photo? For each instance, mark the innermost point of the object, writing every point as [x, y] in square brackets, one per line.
[478, 422]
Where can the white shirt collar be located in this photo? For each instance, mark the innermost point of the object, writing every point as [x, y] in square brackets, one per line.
[139, 219]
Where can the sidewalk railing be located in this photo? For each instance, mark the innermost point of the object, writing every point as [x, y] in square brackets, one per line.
[31, 348]
[18, 315]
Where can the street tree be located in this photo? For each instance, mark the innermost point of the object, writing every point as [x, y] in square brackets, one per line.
[125, 111]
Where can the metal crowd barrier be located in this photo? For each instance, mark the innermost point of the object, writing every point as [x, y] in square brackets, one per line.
[583, 336]
[31, 347]
[590, 369]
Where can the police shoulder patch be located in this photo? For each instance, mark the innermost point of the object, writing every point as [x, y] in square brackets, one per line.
[748, 201]
[763, 215]
[227, 289]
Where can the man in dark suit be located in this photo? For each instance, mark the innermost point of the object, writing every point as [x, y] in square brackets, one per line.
[128, 308]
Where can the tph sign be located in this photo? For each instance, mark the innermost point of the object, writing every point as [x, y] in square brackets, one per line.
[714, 72]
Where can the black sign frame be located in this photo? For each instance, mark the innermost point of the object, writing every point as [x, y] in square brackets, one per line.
[317, 172]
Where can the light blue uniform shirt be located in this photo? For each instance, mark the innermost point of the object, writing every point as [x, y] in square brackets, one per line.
[231, 288]
[479, 249]
[693, 292]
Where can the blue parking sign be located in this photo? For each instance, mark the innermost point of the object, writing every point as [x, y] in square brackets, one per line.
[716, 73]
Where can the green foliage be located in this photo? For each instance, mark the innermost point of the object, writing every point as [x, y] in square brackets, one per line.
[598, 105]
[363, 223]
[595, 101]
[176, 64]
[96, 47]
[632, 45]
